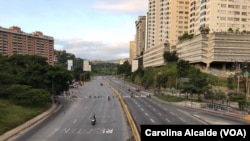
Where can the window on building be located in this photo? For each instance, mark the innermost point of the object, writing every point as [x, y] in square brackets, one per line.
[236, 19]
[244, 13]
[236, 13]
[244, 7]
[222, 11]
[223, 5]
[243, 19]
[223, 18]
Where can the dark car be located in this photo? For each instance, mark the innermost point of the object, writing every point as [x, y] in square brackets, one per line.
[101, 84]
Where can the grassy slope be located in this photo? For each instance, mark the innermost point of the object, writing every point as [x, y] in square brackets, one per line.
[12, 115]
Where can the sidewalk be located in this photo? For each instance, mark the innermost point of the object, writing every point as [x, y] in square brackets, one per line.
[203, 106]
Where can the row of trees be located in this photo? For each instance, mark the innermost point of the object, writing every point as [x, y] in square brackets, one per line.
[29, 79]
[77, 70]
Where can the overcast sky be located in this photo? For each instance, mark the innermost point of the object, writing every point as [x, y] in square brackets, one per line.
[90, 29]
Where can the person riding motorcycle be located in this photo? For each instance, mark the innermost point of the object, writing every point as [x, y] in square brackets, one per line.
[93, 119]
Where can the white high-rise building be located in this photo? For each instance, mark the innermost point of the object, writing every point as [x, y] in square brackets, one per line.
[219, 15]
[169, 19]
[166, 21]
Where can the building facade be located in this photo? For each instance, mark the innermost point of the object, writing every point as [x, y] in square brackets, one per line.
[169, 19]
[166, 21]
[132, 51]
[14, 41]
[221, 48]
[219, 15]
[140, 35]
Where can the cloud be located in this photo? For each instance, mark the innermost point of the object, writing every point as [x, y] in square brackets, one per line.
[94, 50]
[122, 5]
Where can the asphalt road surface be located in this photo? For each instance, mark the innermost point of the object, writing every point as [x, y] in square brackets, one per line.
[72, 121]
[146, 110]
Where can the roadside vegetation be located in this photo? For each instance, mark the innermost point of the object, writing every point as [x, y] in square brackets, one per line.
[179, 76]
[27, 87]
[169, 98]
[12, 114]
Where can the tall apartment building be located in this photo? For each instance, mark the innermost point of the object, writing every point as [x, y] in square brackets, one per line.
[14, 41]
[166, 21]
[219, 15]
[132, 51]
[140, 35]
[140, 40]
[219, 46]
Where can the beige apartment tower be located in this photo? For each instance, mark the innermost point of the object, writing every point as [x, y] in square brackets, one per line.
[14, 41]
[166, 21]
[220, 45]
[132, 51]
[140, 35]
[219, 15]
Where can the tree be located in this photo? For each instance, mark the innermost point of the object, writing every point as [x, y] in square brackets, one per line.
[230, 30]
[148, 77]
[35, 72]
[63, 57]
[125, 69]
[230, 82]
[170, 56]
[185, 36]
[204, 30]
[182, 68]
[240, 98]
[162, 80]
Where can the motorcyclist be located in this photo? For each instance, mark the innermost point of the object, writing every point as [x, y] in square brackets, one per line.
[94, 117]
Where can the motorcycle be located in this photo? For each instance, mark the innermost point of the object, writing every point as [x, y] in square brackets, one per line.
[93, 121]
[108, 97]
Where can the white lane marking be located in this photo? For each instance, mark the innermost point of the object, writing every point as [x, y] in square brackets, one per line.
[182, 119]
[74, 121]
[172, 113]
[146, 114]
[53, 132]
[153, 109]
[139, 105]
[160, 114]
[152, 120]
[142, 109]
[167, 120]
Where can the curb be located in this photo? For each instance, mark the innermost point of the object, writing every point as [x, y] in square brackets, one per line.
[247, 118]
[27, 124]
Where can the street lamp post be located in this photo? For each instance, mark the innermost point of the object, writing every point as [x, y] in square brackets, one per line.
[238, 84]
